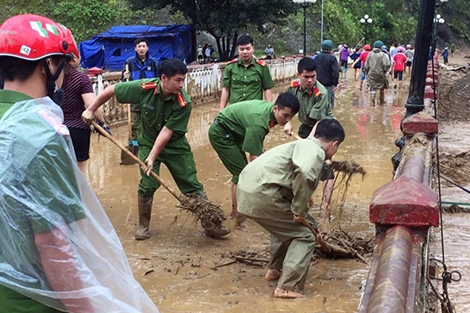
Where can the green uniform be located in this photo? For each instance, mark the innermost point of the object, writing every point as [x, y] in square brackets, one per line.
[247, 82]
[156, 112]
[271, 190]
[45, 168]
[240, 128]
[314, 106]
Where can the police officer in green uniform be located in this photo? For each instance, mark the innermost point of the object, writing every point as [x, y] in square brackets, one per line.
[312, 95]
[245, 78]
[165, 112]
[241, 128]
[314, 106]
[274, 190]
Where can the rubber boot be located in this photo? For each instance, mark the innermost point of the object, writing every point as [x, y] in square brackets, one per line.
[212, 225]
[213, 228]
[372, 97]
[145, 210]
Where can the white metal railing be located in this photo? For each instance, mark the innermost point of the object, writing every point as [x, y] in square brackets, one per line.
[203, 83]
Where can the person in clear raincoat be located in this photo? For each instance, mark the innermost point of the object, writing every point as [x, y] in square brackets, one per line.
[59, 251]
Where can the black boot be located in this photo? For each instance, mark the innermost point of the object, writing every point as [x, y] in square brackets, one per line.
[145, 210]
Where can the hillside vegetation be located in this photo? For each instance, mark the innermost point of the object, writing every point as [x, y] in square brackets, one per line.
[392, 20]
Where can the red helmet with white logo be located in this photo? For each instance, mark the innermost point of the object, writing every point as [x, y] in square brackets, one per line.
[367, 47]
[34, 37]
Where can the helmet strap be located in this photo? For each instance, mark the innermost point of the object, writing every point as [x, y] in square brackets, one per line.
[51, 78]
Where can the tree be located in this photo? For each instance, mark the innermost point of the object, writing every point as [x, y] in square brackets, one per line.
[223, 19]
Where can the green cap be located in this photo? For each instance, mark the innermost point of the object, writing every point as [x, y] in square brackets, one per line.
[378, 44]
[327, 45]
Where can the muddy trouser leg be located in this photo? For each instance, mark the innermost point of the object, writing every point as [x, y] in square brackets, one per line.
[147, 187]
[382, 95]
[233, 158]
[292, 248]
[373, 93]
[331, 96]
[180, 162]
[135, 120]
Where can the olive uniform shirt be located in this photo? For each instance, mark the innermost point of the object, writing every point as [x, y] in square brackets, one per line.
[247, 82]
[43, 173]
[249, 122]
[156, 112]
[314, 103]
[281, 179]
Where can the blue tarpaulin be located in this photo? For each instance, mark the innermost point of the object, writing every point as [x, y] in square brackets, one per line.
[111, 48]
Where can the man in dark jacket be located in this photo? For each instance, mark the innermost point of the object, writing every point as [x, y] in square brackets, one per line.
[327, 70]
[140, 66]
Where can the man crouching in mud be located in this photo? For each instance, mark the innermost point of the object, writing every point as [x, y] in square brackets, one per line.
[274, 191]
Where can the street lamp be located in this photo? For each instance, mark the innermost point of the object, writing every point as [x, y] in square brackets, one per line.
[437, 20]
[366, 21]
[304, 4]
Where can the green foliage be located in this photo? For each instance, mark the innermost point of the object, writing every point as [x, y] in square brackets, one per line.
[275, 22]
[223, 19]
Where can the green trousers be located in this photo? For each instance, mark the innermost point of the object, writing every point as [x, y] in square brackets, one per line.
[179, 159]
[292, 245]
[228, 150]
[14, 302]
[135, 120]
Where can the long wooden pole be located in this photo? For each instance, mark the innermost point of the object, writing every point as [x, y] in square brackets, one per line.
[130, 154]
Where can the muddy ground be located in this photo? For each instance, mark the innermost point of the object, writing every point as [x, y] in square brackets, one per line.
[454, 119]
[454, 154]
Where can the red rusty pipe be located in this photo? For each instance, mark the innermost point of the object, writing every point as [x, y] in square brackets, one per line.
[390, 290]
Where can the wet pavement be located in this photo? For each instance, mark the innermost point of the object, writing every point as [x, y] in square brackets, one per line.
[177, 266]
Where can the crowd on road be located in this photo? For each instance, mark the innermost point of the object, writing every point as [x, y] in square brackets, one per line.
[58, 247]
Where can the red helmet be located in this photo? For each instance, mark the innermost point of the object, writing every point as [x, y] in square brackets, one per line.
[367, 47]
[34, 37]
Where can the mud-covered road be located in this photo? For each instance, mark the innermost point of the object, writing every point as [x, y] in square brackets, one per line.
[184, 271]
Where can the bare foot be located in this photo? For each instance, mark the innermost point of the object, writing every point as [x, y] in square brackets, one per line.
[272, 275]
[287, 294]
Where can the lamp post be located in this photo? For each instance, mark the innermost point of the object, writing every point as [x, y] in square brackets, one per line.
[321, 29]
[304, 4]
[437, 20]
[366, 21]
[424, 32]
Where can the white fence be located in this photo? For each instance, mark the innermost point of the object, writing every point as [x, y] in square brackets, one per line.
[203, 83]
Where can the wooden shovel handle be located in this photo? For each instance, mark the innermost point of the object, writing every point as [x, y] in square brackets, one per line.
[130, 154]
[318, 237]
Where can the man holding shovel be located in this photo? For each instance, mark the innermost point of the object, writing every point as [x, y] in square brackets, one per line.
[165, 111]
[274, 190]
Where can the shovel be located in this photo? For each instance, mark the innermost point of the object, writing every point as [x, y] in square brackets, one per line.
[132, 145]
